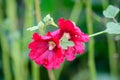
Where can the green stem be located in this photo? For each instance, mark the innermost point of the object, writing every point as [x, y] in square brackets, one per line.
[35, 68]
[37, 7]
[42, 31]
[35, 71]
[5, 57]
[96, 34]
[76, 10]
[5, 49]
[54, 24]
[1, 11]
[58, 71]
[112, 58]
[74, 17]
[105, 4]
[28, 22]
[118, 44]
[11, 13]
[96, 17]
[51, 75]
[115, 20]
[112, 50]
[91, 56]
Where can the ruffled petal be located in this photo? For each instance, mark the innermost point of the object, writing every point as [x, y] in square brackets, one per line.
[76, 36]
[37, 49]
[79, 47]
[36, 36]
[85, 37]
[50, 59]
[54, 59]
[65, 25]
[70, 53]
[59, 58]
[40, 53]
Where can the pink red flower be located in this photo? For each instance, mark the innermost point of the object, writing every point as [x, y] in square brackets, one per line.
[68, 29]
[45, 50]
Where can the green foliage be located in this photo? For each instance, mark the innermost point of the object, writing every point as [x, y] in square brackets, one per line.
[48, 20]
[113, 28]
[111, 12]
[32, 28]
[40, 25]
[65, 43]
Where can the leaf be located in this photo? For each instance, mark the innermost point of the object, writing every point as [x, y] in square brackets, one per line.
[65, 43]
[48, 20]
[40, 25]
[113, 28]
[111, 12]
[32, 28]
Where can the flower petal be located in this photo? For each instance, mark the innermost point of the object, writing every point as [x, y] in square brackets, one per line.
[41, 54]
[37, 49]
[79, 47]
[76, 36]
[66, 26]
[70, 53]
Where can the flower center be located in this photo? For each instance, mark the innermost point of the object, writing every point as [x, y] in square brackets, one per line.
[51, 45]
[66, 35]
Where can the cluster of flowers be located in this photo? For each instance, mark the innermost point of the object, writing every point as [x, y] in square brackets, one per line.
[47, 51]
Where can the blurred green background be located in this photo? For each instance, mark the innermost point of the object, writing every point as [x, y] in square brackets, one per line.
[100, 61]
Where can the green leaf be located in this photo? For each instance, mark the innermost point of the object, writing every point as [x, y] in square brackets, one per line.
[113, 28]
[48, 20]
[65, 43]
[111, 12]
[40, 25]
[32, 28]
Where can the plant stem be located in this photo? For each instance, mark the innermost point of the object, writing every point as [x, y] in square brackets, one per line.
[58, 71]
[37, 7]
[5, 57]
[96, 17]
[35, 68]
[112, 57]
[28, 22]
[5, 49]
[38, 17]
[42, 31]
[74, 17]
[51, 75]
[115, 20]
[76, 11]
[11, 13]
[112, 50]
[98, 33]
[35, 71]
[91, 56]
[1, 11]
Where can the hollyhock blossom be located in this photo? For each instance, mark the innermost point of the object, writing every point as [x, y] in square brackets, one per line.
[45, 50]
[70, 30]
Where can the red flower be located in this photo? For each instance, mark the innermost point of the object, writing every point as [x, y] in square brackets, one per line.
[68, 29]
[45, 50]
